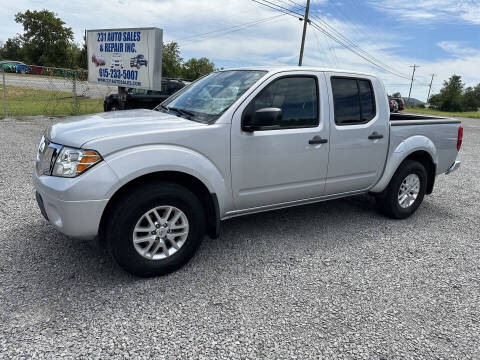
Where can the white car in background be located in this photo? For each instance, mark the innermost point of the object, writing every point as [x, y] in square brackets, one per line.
[117, 60]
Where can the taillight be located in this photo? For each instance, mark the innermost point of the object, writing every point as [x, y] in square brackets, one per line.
[459, 137]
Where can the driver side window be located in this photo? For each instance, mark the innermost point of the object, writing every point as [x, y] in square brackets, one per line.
[296, 96]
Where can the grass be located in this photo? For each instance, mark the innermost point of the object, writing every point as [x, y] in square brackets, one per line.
[22, 101]
[467, 114]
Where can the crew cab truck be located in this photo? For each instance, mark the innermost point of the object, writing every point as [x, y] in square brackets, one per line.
[152, 183]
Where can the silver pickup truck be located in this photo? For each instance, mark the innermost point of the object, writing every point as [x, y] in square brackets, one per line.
[152, 183]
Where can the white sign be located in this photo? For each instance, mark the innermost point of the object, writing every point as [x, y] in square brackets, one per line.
[125, 57]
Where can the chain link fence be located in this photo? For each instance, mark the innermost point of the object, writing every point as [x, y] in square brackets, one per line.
[37, 90]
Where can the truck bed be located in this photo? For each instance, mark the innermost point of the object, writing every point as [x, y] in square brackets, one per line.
[442, 136]
[397, 119]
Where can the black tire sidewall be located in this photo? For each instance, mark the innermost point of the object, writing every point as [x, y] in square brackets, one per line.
[393, 207]
[130, 210]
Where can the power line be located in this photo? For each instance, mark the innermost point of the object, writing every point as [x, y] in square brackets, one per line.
[350, 46]
[279, 8]
[296, 7]
[333, 34]
[295, 3]
[344, 39]
[347, 46]
[391, 69]
[228, 30]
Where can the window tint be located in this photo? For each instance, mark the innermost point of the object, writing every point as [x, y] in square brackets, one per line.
[346, 101]
[367, 101]
[354, 101]
[297, 97]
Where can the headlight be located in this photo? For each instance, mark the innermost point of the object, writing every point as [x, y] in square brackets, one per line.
[72, 162]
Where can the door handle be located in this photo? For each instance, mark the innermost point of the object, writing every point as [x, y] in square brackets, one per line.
[375, 136]
[317, 140]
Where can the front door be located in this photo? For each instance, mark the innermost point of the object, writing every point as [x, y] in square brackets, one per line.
[137, 99]
[358, 134]
[286, 160]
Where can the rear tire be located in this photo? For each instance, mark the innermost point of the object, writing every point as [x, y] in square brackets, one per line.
[122, 235]
[405, 192]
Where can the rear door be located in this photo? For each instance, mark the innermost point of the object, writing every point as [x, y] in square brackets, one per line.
[358, 135]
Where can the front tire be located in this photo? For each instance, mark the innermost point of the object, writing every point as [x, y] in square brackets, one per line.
[155, 229]
[405, 192]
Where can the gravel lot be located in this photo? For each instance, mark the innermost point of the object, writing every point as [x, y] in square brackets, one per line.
[331, 280]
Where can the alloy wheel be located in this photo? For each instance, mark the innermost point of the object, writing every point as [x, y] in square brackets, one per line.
[160, 232]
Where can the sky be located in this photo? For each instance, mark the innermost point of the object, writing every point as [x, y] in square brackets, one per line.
[441, 36]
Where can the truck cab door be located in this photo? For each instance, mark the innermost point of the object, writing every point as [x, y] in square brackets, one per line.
[137, 99]
[359, 133]
[287, 160]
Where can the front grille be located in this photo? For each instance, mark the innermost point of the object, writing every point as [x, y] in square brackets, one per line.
[47, 153]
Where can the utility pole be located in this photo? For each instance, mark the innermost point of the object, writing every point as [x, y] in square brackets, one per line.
[411, 83]
[305, 22]
[430, 88]
[85, 42]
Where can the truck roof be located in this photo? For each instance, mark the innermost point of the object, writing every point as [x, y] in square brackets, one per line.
[277, 69]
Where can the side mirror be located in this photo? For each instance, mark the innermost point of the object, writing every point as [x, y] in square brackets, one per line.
[265, 117]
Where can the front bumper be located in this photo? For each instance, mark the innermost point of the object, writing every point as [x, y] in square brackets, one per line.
[75, 205]
[77, 219]
[454, 167]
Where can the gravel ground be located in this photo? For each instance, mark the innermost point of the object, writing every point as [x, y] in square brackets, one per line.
[331, 280]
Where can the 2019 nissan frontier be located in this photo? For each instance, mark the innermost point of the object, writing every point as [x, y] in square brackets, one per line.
[152, 183]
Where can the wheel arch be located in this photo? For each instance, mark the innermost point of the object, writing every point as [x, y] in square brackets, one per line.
[418, 148]
[209, 200]
[426, 160]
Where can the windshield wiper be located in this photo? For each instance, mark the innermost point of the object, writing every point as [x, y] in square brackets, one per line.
[180, 111]
[163, 107]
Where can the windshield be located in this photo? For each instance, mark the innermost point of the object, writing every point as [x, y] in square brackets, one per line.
[206, 99]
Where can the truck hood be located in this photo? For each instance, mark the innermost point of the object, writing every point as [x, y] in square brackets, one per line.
[78, 130]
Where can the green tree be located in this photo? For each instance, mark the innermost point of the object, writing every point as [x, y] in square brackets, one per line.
[451, 93]
[195, 68]
[435, 101]
[171, 60]
[12, 49]
[46, 40]
[471, 98]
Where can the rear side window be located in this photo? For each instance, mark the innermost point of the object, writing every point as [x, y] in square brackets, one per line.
[354, 101]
